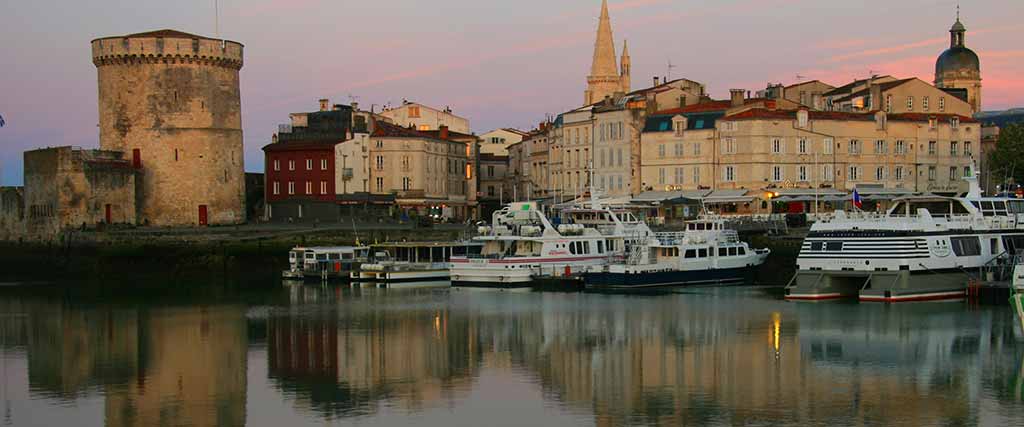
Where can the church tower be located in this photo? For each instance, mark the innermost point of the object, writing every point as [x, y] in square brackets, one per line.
[604, 79]
[625, 65]
[958, 67]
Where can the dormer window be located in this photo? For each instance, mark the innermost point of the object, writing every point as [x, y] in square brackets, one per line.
[679, 125]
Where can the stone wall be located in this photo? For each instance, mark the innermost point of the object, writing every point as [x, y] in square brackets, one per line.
[173, 103]
[12, 213]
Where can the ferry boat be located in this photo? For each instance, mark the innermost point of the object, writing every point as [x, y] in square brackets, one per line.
[923, 248]
[523, 245]
[407, 262]
[706, 253]
[324, 262]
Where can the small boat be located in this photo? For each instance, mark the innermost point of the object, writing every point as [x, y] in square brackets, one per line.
[409, 262]
[325, 262]
[706, 253]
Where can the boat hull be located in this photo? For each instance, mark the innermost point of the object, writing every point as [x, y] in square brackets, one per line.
[878, 286]
[658, 279]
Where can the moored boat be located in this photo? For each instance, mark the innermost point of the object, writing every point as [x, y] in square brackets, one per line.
[325, 262]
[408, 262]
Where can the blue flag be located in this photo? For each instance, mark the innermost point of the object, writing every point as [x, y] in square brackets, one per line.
[856, 199]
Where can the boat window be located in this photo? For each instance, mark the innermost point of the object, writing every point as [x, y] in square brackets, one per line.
[572, 248]
[743, 251]
[817, 246]
[333, 256]
[702, 252]
[834, 246]
[1013, 244]
[732, 251]
[993, 246]
[586, 248]
[986, 206]
[1015, 206]
[976, 204]
[321, 257]
[966, 246]
[691, 253]
[900, 209]
[722, 252]
[310, 255]
[600, 246]
[959, 208]
[1000, 208]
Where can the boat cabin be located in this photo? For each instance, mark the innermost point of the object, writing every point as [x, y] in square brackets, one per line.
[946, 207]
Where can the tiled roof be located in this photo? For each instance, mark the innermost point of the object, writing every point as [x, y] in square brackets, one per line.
[765, 114]
[452, 135]
[849, 86]
[883, 87]
[695, 121]
[302, 145]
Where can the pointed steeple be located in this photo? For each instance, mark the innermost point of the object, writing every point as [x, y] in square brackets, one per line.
[625, 64]
[604, 46]
[604, 79]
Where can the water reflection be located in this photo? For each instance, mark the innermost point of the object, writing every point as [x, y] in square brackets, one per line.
[431, 356]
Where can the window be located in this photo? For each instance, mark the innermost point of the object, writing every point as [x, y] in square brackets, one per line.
[942, 104]
[967, 148]
[696, 148]
[880, 147]
[678, 150]
[833, 246]
[899, 173]
[828, 145]
[414, 112]
[901, 147]
[406, 183]
[910, 103]
[931, 173]
[380, 163]
[880, 173]
[618, 157]
[965, 246]
[776, 146]
[854, 173]
[696, 175]
[291, 187]
[490, 171]
[888, 103]
[309, 187]
[933, 148]
[323, 164]
[679, 176]
[661, 175]
[323, 187]
[277, 165]
[924, 103]
[678, 126]
[380, 144]
[854, 147]
[967, 171]
[777, 173]
[803, 146]
[728, 145]
[291, 165]
[309, 164]
[931, 123]
[954, 123]
[690, 253]
[954, 148]
[802, 173]
[380, 184]
[702, 252]
[827, 172]
[661, 151]
[953, 173]
[277, 188]
[730, 174]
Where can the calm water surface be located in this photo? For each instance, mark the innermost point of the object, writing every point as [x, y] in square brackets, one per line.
[313, 355]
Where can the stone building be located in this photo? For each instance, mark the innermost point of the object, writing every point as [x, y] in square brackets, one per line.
[492, 177]
[71, 188]
[571, 171]
[911, 95]
[170, 100]
[959, 68]
[606, 77]
[496, 141]
[422, 117]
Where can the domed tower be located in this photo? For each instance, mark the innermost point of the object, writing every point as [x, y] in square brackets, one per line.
[170, 100]
[959, 67]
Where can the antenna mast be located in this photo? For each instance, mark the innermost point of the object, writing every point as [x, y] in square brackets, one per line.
[216, 18]
[670, 67]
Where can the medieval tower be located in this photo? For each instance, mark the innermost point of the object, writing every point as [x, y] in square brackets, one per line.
[605, 76]
[170, 101]
[958, 67]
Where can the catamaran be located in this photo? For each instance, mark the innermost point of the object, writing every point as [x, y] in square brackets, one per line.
[923, 248]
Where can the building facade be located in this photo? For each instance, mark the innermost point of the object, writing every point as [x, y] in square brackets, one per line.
[496, 141]
[425, 118]
[171, 101]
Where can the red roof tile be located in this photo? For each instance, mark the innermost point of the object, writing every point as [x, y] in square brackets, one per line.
[302, 146]
[709, 106]
[765, 114]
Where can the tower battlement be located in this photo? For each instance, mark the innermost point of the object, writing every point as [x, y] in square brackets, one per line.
[168, 47]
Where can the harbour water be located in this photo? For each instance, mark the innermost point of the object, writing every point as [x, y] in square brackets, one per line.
[332, 355]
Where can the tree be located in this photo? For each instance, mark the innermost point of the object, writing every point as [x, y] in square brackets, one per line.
[1007, 160]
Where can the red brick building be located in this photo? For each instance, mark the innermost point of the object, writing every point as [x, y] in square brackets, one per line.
[300, 180]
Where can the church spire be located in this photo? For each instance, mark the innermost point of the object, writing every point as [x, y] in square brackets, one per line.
[625, 64]
[604, 79]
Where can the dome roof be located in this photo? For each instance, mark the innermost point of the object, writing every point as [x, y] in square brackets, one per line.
[958, 27]
[957, 59]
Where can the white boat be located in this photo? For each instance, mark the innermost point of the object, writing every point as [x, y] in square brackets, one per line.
[325, 262]
[523, 245]
[924, 248]
[408, 262]
[706, 253]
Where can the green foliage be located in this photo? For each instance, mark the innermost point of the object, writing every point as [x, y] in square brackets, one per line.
[1008, 157]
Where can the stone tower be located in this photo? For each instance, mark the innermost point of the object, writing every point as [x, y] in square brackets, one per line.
[625, 64]
[604, 79]
[958, 67]
[170, 101]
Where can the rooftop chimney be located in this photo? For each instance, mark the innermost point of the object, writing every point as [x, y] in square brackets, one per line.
[355, 106]
[325, 104]
[655, 80]
[736, 96]
[443, 132]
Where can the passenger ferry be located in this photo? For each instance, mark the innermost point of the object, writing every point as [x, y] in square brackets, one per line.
[523, 245]
[407, 262]
[924, 248]
[326, 263]
[706, 253]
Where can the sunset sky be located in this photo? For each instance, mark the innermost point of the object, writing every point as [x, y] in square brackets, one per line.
[499, 64]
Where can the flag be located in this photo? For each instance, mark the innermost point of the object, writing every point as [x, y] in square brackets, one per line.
[857, 202]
